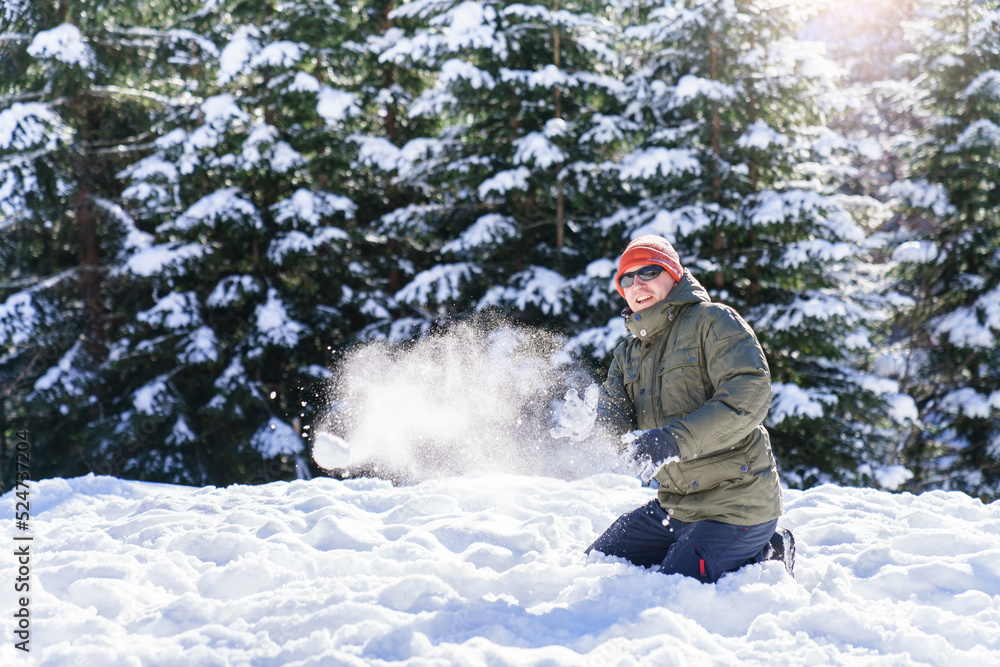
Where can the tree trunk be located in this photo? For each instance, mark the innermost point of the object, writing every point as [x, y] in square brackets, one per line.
[560, 188]
[753, 267]
[716, 129]
[88, 246]
[389, 76]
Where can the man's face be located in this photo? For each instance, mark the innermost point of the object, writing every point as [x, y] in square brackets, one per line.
[642, 294]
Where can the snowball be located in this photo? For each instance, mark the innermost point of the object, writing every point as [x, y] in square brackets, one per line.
[331, 451]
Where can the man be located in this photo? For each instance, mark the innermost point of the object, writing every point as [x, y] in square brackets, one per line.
[693, 380]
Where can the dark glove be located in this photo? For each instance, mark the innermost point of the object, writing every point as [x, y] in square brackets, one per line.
[655, 446]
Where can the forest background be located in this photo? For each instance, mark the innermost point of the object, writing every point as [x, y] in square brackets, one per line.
[206, 204]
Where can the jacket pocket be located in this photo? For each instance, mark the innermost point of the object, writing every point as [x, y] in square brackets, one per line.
[630, 379]
[682, 382]
[679, 358]
[709, 472]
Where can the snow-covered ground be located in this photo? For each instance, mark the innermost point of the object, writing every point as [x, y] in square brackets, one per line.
[484, 570]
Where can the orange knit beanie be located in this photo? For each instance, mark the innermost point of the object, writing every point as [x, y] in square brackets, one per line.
[647, 250]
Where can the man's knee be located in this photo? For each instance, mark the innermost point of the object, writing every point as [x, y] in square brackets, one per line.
[708, 550]
[639, 536]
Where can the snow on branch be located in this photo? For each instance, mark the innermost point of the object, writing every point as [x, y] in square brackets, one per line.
[608, 84]
[155, 182]
[407, 221]
[973, 326]
[383, 154]
[607, 129]
[263, 144]
[19, 319]
[432, 102]
[335, 105]
[453, 70]
[226, 205]
[761, 136]
[158, 258]
[201, 346]
[669, 22]
[969, 402]
[922, 194]
[310, 207]
[220, 114]
[237, 53]
[274, 324]
[986, 86]
[505, 181]
[646, 163]
[817, 306]
[64, 43]
[916, 252]
[220, 110]
[620, 217]
[789, 400]
[181, 433]
[439, 284]
[234, 378]
[677, 223]
[66, 376]
[595, 284]
[154, 397]
[294, 242]
[17, 180]
[232, 289]
[465, 25]
[535, 148]
[489, 229]
[982, 133]
[303, 82]
[770, 207]
[548, 77]
[691, 87]
[535, 286]
[21, 313]
[603, 340]
[30, 125]
[470, 25]
[276, 438]
[797, 253]
[176, 310]
[178, 37]
[282, 53]
[135, 238]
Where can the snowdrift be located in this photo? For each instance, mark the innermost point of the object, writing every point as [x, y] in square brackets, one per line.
[476, 570]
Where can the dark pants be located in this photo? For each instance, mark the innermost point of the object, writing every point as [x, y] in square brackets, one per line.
[704, 550]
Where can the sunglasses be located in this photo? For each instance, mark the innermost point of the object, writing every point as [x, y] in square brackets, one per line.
[645, 274]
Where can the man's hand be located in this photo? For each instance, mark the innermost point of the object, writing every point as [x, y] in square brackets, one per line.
[651, 450]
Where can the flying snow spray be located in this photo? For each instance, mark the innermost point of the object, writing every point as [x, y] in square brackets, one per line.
[470, 398]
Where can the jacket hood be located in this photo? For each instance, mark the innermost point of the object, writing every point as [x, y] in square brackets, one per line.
[650, 321]
[687, 290]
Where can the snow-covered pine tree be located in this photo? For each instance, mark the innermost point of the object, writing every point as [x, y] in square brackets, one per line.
[248, 270]
[864, 37]
[949, 251]
[378, 155]
[735, 162]
[514, 181]
[85, 85]
[867, 40]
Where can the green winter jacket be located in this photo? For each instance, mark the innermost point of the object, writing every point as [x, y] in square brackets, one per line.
[696, 369]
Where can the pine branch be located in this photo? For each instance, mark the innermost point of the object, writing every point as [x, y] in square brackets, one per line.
[9, 389]
[7, 100]
[38, 283]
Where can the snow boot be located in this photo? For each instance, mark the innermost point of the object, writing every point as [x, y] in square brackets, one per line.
[780, 547]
